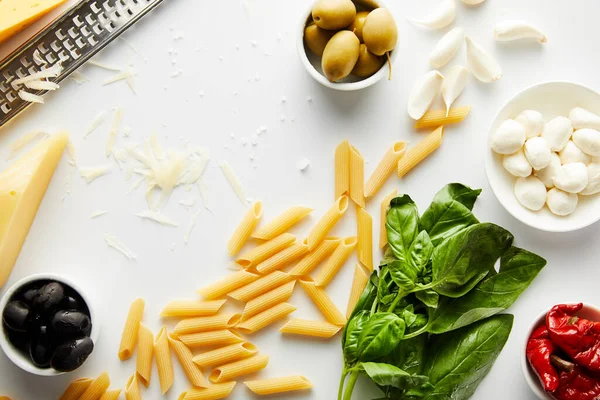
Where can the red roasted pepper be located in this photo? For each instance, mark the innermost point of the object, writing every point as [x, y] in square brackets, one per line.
[577, 337]
[539, 350]
[575, 384]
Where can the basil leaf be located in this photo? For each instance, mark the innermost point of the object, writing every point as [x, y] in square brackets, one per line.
[390, 375]
[402, 225]
[409, 317]
[492, 295]
[459, 360]
[420, 251]
[410, 354]
[403, 274]
[380, 336]
[464, 259]
[429, 297]
[354, 328]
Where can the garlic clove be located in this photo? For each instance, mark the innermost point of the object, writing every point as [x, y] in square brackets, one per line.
[453, 85]
[538, 152]
[447, 47]
[532, 121]
[588, 140]
[561, 203]
[441, 17]
[507, 31]
[571, 153]
[582, 118]
[557, 132]
[472, 2]
[424, 93]
[593, 185]
[508, 138]
[483, 66]
[546, 175]
[530, 192]
[517, 164]
[572, 178]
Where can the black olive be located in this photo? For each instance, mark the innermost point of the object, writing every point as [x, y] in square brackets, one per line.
[41, 348]
[29, 294]
[72, 354]
[73, 303]
[49, 297]
[71, 324]
[16, 316]
[18, 339]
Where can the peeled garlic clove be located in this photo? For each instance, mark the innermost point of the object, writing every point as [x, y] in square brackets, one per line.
[517, 164]
[593, 185]
[453, 85]
[530, 192]
[561, 203]
[508, 138]
[571, 153]
[571, 178]
[507, 31]
[582, 118]
[482, 65]
[557, 132]
[538, 152]
[440, 17]
[424, 93]
[588, 140]
[532, 121]
[546, 175]
[447, 47]
[472, 2]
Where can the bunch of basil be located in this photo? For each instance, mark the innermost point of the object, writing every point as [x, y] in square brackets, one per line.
[426, 327]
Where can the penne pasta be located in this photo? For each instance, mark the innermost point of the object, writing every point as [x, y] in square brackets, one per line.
[211, 338]
[260, 286]
[364, 247]
[314, 258]
[303, 327]
[192, 308]
[185, 356]
[130, 331]
[227, 354]
[284, 384]
[76, 389]
[327, 222]
[282, 258]
[227, 284]
[420, 151]
[96, 387]
[282, 223]
[268, 300]
[244, 230]
[203, 324]
[385, 203]
[336, 261]
[342, 169]
[323, 303]
[266, 250]
[238, 368]
[384, 169]
[361, 278]
[163, 361]
[265, 318]
[435, 118]
[213, 392]
[357, 177]
[144, 355]
[132, 389]
[111, 394]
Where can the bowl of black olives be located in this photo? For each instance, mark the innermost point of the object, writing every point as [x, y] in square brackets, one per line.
[48, 325]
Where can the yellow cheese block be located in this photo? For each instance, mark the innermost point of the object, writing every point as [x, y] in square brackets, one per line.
[22, 188]
[16, 15]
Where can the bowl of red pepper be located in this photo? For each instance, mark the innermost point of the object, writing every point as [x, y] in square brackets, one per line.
[561, 359]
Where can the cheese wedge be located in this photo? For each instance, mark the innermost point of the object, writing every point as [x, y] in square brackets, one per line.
[16, 15]
[22, 188]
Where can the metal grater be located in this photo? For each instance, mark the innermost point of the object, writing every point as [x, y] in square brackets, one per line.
[72, 39]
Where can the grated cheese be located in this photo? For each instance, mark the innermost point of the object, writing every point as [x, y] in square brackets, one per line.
[98, 213]
[71, 152]
[41, 85]
[96, 122]
[102, 65]
[202, 189]
[126, 131]
[157, 217]
[114, 130]
[122, 75]
[113, 242]
[188, 203]
[79, 78]
[191, 227]
[303, 164]
[92, 173]
[30, 97]
[51, 72]
[38, 58]
[233, 181]
[20, 143]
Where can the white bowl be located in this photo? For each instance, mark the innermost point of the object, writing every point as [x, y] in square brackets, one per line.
[588, 312]
[551, 99]
[312, 63]
[18, 358]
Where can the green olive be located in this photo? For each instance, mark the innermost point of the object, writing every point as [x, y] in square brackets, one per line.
[340, 55]
[380, 33]
[333, 14]
[357, 25]
[316, 38]
[367, 64]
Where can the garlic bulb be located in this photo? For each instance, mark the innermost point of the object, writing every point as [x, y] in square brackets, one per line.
[557, 132]
[447, 47]
[517, 164]
[593, 185]
[508, 138]
[571, 178]
[483, 66]
[538, 152]
[424, 93]
[571, 153]
[588, 140]
[506, 31]
[561, 203]
[532, 121]
[546, 175]
[530, 192]
[582, 118]
[453, 85]
[441, 17]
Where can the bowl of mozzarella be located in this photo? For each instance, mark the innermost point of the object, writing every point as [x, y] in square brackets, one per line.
[543, 157]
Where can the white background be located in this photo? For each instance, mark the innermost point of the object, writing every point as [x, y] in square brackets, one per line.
[65, 240]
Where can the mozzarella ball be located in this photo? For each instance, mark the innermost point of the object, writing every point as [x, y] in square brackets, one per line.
[532, 121]
[593, 185]
[561, 203]
[582, 118]
[530, 192]
[572, 178]
[571, 153]
[557, 132]
[517, 164]
[538, 152]
[508, 138]
[588, 140]
[547, 174]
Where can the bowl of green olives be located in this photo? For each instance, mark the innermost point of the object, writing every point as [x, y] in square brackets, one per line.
[347, 44]
[48, 325]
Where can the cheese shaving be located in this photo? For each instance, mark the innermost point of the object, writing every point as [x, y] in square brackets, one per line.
[79, 78]
[188, 203]
[233, 181]
[20, 143]
[41, 85]
[38, 58]
[122, 75]
[98, 213]
[157, 217]
[92, 173]
[202, 189]
[30, 97]
[96, 122]
[71, 151]
[114, 131]
[51, 72]
[102, 65]
[113, 242]
[191, 227]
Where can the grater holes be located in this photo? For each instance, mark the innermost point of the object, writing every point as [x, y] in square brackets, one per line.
[115, 16]
[123, 3]
[73, 33]
[92, 40]
[25, 62]
[63, 56]
[51, 58]
[106, 5]
[102, 18]
[80, 43]
[11, 96]
[42, 48]
[68, 44]
[75, 54]
[55, 46]
[3, 87]
[20, 72]
[94, 7]
[8, 76]
[86, 31]
[60, 35]
[90, 19]
[5, 108]
[78, 22]
[97, 29]
[110, 27]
